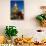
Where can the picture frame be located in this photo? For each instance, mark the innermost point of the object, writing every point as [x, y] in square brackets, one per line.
[17, 9]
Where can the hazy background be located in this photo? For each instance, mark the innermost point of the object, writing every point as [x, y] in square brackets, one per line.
[28, 26]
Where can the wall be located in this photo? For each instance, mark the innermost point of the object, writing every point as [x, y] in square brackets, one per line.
[28, 26]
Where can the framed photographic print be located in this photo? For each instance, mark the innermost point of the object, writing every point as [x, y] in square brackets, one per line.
[17, 9]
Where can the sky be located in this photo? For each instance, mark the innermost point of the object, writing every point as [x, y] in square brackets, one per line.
[17, 0]
[19, 3]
